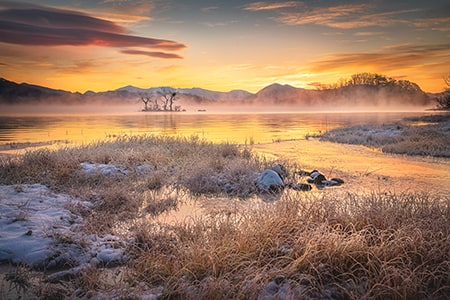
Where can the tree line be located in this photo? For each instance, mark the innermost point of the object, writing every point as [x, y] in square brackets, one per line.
[374, 80]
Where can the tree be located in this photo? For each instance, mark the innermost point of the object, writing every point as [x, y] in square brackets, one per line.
[150, 102]
[145, 99]
[443, 101]
[168, 94]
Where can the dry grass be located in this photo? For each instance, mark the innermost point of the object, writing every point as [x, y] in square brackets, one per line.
[431, 138]
[180, 163]
[355, 247]
[306, 245]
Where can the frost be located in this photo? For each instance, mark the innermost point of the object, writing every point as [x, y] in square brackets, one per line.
[38, 229]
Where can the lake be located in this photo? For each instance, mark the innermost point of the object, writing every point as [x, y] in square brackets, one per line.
[279, 136]
[18, 131]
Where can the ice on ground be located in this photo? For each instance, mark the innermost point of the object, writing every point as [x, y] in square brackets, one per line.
[38, 229]
[102, 169]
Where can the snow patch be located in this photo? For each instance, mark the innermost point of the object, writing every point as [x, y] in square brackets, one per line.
[102, 169]
[38, 229]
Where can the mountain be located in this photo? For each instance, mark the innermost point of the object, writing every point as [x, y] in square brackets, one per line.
[396, 94]
[13, 93]
[198, 93]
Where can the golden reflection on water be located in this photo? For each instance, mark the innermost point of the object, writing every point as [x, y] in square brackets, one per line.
[238, 128]
[233, 128]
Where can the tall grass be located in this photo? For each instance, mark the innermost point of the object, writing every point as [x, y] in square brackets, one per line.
[372, 246]
[322, 245]
[154, 163]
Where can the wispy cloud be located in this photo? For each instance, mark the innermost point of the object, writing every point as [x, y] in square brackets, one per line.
[209, 8]
[152, 54]
[369, 33]
[44, 26]
[439, 24]
[342, 16]
[387, 59]
[262, 5]
[125, 11]
[218, 24]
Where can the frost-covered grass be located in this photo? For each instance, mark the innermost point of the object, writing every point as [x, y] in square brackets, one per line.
[427, 136]
[355, 247]
[303, 246]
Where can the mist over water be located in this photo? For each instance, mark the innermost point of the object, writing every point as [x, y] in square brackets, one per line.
[216, 126]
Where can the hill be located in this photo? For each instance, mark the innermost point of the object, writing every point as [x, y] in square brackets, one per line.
[363, 90]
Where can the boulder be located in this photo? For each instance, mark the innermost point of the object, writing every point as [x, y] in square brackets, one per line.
[316, 178]
[338, 180]
[302, 187]
[269, 181]
[281, 170]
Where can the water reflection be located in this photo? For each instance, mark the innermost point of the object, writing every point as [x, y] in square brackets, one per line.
[233, 128]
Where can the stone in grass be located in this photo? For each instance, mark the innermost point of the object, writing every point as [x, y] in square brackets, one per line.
[338, 180]
[269, 181]
[281, 170]
[316, 178]
[304, 187]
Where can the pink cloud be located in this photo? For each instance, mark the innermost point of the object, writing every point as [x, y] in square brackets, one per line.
[152, 54]
[43, 26]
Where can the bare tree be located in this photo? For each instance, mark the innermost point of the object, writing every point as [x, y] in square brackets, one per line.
[146, 100]
[169, 97]
[150, 102]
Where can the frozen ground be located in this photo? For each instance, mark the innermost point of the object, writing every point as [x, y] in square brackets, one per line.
[42, 230]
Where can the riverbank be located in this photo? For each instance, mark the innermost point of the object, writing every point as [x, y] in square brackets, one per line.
[108, 202]
[427, 135]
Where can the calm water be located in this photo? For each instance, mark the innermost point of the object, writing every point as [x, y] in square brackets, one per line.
[231, 127]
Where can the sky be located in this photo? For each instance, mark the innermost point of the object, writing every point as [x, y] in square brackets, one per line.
[101, 45]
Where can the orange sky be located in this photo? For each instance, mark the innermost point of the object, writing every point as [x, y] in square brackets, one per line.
[221, 45]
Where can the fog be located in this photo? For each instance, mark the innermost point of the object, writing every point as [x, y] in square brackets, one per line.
[232, 108]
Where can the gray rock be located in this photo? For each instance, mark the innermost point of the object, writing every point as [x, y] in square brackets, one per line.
[301, 187]
[338, 180]
[316, 178]
[281, 170]
[269, 181]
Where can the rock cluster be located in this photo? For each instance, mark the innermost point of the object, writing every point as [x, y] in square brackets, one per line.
[274, 180]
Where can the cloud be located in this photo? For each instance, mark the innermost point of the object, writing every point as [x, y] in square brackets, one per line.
[342, 16]
[152, 54]
[258, 6]
[439, 24]
[387, 59]
[209, 8]
[125, 11]
[369, 33]
[43, 26]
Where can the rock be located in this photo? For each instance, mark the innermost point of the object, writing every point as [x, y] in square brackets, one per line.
[317, 178]
[281, 170]
[303, 173]
[269, 181]
[338, 180]
[330, 183]
[304, 187]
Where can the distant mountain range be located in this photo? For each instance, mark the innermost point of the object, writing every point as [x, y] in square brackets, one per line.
[275, 94]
